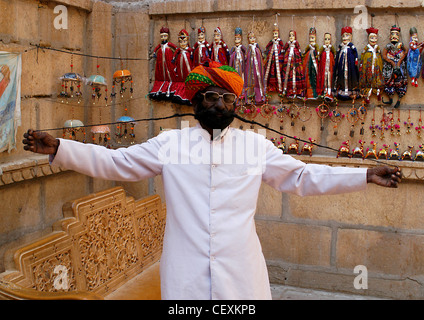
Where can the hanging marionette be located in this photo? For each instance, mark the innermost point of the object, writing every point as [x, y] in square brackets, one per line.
[394, 67]
[183, 66]
[238, 53]
[346, 73]
[414, 62]
[201, 49]
[254, 79]
[370, 67]
[274, 55]
[293, 75]
[310, 65]
[327, 54]
[219, 52]
[164, 70]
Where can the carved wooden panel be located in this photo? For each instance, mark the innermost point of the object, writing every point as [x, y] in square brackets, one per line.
[109, 239]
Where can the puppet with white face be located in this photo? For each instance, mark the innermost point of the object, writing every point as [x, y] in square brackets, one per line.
[201, 49]
[395, 72]
[254, 77]
[346, 77]
[310, 65]
[219, 52]
[293, 75]
[238, 53]
[164, 69]
[370, 67]
[274, 55]
[414, 62]
[327, 54]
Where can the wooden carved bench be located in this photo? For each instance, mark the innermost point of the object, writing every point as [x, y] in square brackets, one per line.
[107, 247]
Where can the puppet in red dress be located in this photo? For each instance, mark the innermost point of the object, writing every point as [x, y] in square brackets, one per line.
[274, 55]
[164, 70]
[220, 52]
[183, 60]
[294, 78]
[327, 55]
[201, 49]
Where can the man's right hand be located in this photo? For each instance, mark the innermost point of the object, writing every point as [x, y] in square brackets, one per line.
[40, 142]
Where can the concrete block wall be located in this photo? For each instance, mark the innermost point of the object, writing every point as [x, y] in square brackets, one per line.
[32, 192]
[316, 242]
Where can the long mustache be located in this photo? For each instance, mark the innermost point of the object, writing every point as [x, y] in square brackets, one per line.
[213, 112]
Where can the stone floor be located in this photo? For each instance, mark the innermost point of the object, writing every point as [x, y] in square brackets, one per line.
[280, 292]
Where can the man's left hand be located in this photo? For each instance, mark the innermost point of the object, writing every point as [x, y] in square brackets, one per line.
[384, 176]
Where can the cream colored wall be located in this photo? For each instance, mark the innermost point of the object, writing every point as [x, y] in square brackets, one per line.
[316, 242]
[311, 242]
[31, 191]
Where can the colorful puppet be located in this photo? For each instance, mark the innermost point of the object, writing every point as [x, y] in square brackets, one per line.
[164, 70]
[394, 67]
[274, 55]
[254, 79]
[326, 64]
[370, 67]
[346, 74]
[183, 66]
[220, 52]
[414, 62]
[293, 75]
[310, 65]
[238, 53]
[201, 49]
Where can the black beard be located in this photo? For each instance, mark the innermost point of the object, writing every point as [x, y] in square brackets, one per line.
[214, 119]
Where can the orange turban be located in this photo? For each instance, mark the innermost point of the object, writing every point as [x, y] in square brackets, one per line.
[213, 73]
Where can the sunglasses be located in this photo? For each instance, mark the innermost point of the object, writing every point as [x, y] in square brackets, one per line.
[211, 96]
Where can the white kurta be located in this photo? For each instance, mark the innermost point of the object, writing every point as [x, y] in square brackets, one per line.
[211, 249]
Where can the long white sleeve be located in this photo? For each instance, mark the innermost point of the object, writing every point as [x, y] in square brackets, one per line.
[287, 174]
[125, 164]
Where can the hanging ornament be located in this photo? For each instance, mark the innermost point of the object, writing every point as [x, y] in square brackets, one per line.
[71, 85]
[293, 112]
[373, 126]
[71, 128]
[121, 78]
[352, 117]
[336, 117]
[408, 123]
[97, 83]
[419, 127]
[323, 110]
[305, 113]
[125, 130]
[100, 133]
